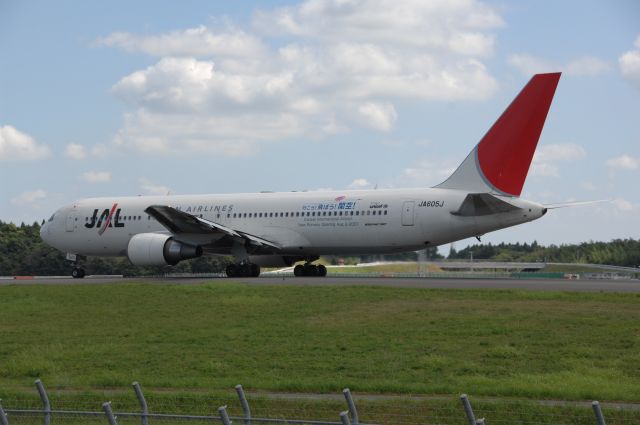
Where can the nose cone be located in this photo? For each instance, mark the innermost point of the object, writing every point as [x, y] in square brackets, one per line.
[44, 233]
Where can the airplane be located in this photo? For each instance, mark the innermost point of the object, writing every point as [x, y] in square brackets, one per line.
[281, 229]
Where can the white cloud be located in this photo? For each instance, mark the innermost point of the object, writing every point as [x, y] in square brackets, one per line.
[378, 116]
[623, 162]
[75, 151]
[151, 188]
[559, 152]
[340, 65]
[545, 159]
[630, 64]
[359, 184]
[544, 169]
[622, 205]
[583, 66]
[426, 172]
[29, 197]
[458, 27]
[199, 41]
[96, 177]
[16, 145]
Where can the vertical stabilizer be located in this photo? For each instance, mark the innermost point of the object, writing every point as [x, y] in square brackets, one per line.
[500, 162]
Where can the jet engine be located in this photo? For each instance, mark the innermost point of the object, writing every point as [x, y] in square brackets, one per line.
[155, 249]
[274, 260]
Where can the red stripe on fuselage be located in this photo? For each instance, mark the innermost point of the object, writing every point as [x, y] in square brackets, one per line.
[108, 220]
[505, 152]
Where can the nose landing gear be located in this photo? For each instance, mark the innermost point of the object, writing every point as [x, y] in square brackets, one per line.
[77, 272]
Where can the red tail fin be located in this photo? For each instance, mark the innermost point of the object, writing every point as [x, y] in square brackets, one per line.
[500, 162]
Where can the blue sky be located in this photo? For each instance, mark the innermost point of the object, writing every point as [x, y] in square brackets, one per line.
[147, 97]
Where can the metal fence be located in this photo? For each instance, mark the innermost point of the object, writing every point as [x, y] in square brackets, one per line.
[107, 415]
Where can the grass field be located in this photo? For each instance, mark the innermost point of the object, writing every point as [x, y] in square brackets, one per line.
[195, 338]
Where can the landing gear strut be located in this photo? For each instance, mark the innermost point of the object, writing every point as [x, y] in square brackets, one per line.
[243, 270]
[310, 270]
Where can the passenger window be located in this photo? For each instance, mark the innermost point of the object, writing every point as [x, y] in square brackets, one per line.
[369, 212]
[385, 212]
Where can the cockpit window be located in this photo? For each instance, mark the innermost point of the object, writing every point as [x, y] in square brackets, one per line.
[51, 218]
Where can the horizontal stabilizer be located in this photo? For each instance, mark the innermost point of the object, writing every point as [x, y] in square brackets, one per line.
[477, 204]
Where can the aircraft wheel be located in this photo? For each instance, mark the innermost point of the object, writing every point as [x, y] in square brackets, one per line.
[310, 270]
[255, 270]
[232, 270]
[322, 270]
[298, 270]
[77, 273]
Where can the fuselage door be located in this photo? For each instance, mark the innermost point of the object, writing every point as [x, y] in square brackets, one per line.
[71, 220]
[407, 213]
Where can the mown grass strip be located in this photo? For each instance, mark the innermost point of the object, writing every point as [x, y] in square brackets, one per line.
[573, 346]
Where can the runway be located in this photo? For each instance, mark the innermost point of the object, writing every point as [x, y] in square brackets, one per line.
[618, 285]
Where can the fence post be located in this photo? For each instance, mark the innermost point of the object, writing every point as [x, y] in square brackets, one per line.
[598, 412]
[471, 418]
[143, 403]
[351, 405]
[46, 406]
[224, 416]
[106, 407]
[344, 418]
[245, 405]
[3, 416]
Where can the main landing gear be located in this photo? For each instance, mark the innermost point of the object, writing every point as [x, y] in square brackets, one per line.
[243, 270]
[310, 270]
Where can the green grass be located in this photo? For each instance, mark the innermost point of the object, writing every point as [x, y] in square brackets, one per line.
[193, 338]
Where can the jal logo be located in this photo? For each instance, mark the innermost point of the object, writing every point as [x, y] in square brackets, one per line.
[105, 220]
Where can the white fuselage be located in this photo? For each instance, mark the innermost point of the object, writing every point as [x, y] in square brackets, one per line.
[300, 223]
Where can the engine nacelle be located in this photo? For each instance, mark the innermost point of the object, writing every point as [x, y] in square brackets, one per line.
[274, 260]
[155, 249]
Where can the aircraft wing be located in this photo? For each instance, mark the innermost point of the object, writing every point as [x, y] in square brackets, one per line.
[178, 222]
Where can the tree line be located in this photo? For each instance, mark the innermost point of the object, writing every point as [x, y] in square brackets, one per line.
[22, 252]
[618, 252]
